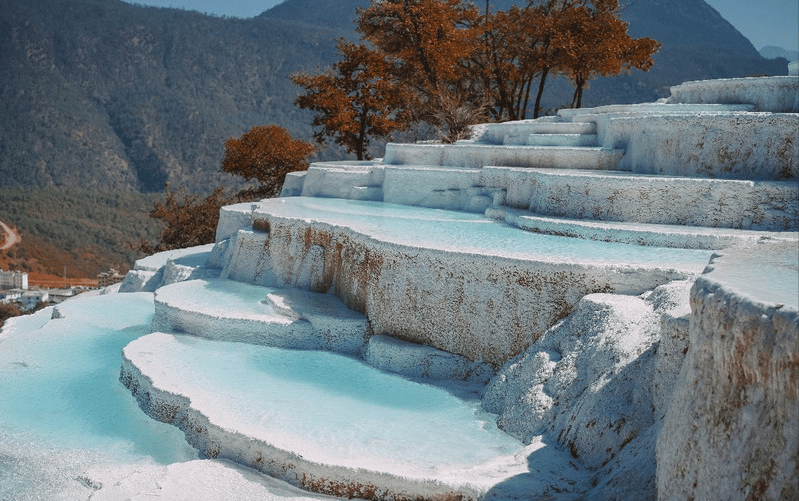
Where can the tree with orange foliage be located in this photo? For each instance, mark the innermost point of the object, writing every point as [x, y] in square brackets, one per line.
[455, 66]
[189, 221]
[266, 153]
[515, 46]
[430, 41]
[597, 44]
[8, 310]
[430, 44]
[581, 39]
[547, 55]
[354, 100]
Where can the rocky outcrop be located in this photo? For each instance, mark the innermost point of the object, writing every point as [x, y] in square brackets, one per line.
[773, 94]
[596, 383]
[732, 429]
[439, 278]
[662, 401]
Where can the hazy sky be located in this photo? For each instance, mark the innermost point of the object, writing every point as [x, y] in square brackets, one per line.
[763, 22]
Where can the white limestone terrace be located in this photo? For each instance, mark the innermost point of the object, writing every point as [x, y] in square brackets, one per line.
[656, 235]
[322, 421]
[164, 268]
[588, 334]
[459, 282]
[732, 429]
[624, 197]
[681, 175]
[773, 94]
[737, 145]
[418, 228]
[478, 155]
[226, 310]
[233, 311]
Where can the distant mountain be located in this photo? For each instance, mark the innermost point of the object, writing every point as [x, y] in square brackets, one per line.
[104, 94]
[101, 94]
[773, 52]
[336, 14]
[698, 44]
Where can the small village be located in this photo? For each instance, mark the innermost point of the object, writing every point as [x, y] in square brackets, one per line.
[15, 289]
[27, 296]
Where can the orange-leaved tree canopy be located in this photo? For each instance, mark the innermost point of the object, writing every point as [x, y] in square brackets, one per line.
[266, 153]
[446, 64]
[429, 40]
[355, 100]
[188, 221]
[593, 41]
[431, 44]
[514, 53]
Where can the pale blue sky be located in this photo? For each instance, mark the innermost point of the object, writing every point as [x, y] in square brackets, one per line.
[763, 22]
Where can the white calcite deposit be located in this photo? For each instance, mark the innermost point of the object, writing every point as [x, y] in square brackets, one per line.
[598, 383]
[612, 384]
[227, 310]
[732, 428]
[163, 268]
[661, 199]
[754, 146]
[456, 281]
[319, 420]
[598, 305]
[774, 94]
[199, 479]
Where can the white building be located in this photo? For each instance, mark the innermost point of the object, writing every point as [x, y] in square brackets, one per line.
[30, 299]
[13, 280]
[109, 277]
[10, 295]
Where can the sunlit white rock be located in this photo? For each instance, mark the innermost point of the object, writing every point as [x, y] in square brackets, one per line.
[775, 94]
[731, 429]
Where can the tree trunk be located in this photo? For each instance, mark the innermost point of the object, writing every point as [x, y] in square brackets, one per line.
[362, 140]
[577, 100]
[527, 86]
[537, 109]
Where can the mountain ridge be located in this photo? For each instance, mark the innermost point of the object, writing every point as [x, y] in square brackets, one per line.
[106, 95]
[150, 94]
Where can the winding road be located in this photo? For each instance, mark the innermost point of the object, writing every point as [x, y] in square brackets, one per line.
[12, 239]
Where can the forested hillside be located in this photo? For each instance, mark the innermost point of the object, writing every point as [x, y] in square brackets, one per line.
[105, 95]
[108, 97]
[85, 231]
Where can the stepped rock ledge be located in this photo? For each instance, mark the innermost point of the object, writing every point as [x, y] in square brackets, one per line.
[604, 304]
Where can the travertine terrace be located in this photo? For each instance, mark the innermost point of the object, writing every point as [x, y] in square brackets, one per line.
[620, 283]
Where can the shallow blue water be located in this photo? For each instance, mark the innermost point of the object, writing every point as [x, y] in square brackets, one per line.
[64, 410]
[59, 383]
[474, 233]
[327, 407]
